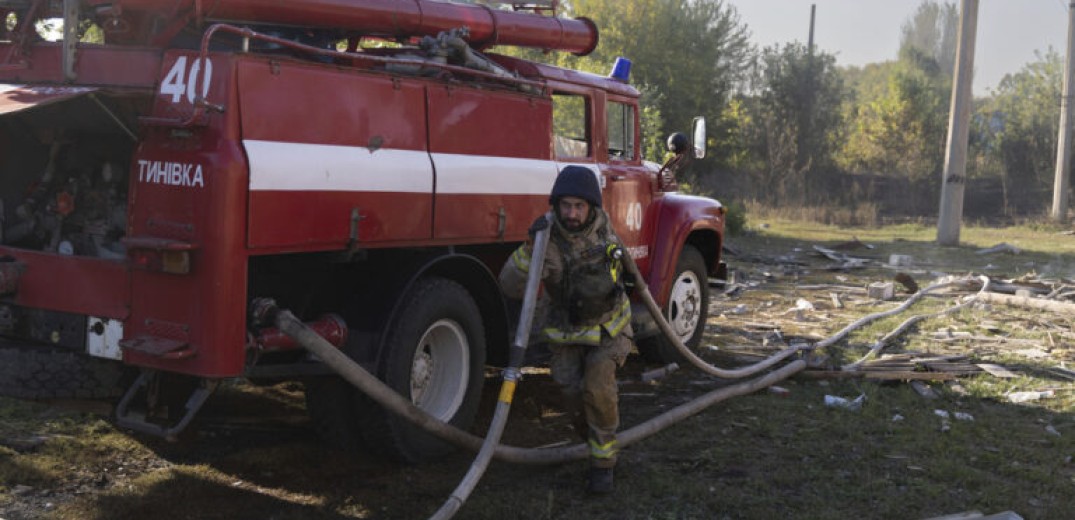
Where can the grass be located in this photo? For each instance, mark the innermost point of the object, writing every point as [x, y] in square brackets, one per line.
[1038, 238]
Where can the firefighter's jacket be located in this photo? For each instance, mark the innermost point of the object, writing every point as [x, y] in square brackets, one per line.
[583, 284]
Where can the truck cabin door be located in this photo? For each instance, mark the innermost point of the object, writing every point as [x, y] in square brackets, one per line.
[628, 185]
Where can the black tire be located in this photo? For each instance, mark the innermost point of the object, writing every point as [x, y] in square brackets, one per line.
[687, 310]
[434, 355]
[335, 406]
[45, 372]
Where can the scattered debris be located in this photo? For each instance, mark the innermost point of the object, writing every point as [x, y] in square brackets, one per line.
[658, 373]
[845, 261]
[963, 416]
[836, 302]
[779, 390]
[738, 309]
[1000, 248]
[24, 444]
[1062, 372]
[900, 260]
[1051, 430]
[945, 424]
[852, 244]
[833, 401]
[1023, 397]
[997, 370]
[976, 515]
[907, 282]
[773, 339]
[1030, 303]
[881, 291]
[923, 390]
[760, 325]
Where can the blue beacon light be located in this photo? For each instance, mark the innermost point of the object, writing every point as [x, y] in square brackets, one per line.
[621, 70]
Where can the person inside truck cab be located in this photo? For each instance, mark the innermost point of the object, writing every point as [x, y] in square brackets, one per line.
[587, 313]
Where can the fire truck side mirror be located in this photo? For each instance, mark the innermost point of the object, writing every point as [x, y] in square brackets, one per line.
[698, 137]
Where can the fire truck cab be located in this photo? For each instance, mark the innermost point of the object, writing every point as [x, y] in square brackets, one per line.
[209, 154]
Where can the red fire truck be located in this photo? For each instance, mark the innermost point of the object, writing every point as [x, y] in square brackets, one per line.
[361, 162]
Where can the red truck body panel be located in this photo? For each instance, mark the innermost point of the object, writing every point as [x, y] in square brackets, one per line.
[241, 156]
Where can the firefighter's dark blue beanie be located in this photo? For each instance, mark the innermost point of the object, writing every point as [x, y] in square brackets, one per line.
[576, 181]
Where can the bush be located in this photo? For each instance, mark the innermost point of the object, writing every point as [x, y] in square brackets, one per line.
[735, 218]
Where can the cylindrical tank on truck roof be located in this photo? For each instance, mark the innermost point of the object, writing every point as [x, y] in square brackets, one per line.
[389, 18]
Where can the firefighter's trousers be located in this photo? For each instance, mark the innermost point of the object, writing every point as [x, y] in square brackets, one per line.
[587, 375]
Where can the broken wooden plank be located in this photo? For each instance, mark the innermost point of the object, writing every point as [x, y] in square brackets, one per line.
[1028, 303]
[997, 370]
[1000, 248]
[878, 376]
[1062, 372]
[959, 369]
[910, 376]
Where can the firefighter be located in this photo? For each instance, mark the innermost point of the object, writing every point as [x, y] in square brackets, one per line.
[586, 312]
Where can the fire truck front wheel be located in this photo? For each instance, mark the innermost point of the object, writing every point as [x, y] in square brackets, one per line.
[435, 356]
[687, 309]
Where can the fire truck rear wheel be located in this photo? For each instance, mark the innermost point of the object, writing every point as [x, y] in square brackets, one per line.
[687, 309]
[435, 356]
[43, 372]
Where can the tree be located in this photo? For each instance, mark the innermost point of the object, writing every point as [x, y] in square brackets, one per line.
[786, 130]
[687, 55]
[934, 31]
[898, 122]
[1019, 127]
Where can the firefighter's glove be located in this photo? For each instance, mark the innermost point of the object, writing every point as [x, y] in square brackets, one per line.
[539, 224]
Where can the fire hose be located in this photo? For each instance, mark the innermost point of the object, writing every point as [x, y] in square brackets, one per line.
[686, 352]
[489, 447]
[511, 377]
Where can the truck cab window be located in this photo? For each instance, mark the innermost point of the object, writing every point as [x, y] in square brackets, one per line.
[621, 131]
[570, 125]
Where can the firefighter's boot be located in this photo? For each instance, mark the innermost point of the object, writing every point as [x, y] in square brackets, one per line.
[599, 481]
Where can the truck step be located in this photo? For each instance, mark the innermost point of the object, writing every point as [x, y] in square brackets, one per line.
[139, 419]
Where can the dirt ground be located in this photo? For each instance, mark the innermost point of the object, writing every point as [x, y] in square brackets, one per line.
[775, 453]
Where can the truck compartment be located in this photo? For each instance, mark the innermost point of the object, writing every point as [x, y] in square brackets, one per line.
[65, 155]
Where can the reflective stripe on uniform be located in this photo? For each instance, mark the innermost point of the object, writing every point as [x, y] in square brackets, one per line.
[619, 320]
[592, 335]
[521, 259]
[603, 451]
[579, 336]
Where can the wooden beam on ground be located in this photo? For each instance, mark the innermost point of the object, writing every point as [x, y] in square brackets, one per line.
[1028, 303]
[878, 376]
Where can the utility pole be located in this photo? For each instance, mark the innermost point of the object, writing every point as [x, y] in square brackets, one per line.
[1063, 140]
[810, 42]
[955, 157]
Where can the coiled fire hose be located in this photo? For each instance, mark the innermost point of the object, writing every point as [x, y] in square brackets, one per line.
[489, 447]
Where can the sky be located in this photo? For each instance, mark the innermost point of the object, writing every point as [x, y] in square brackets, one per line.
[858, 32]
